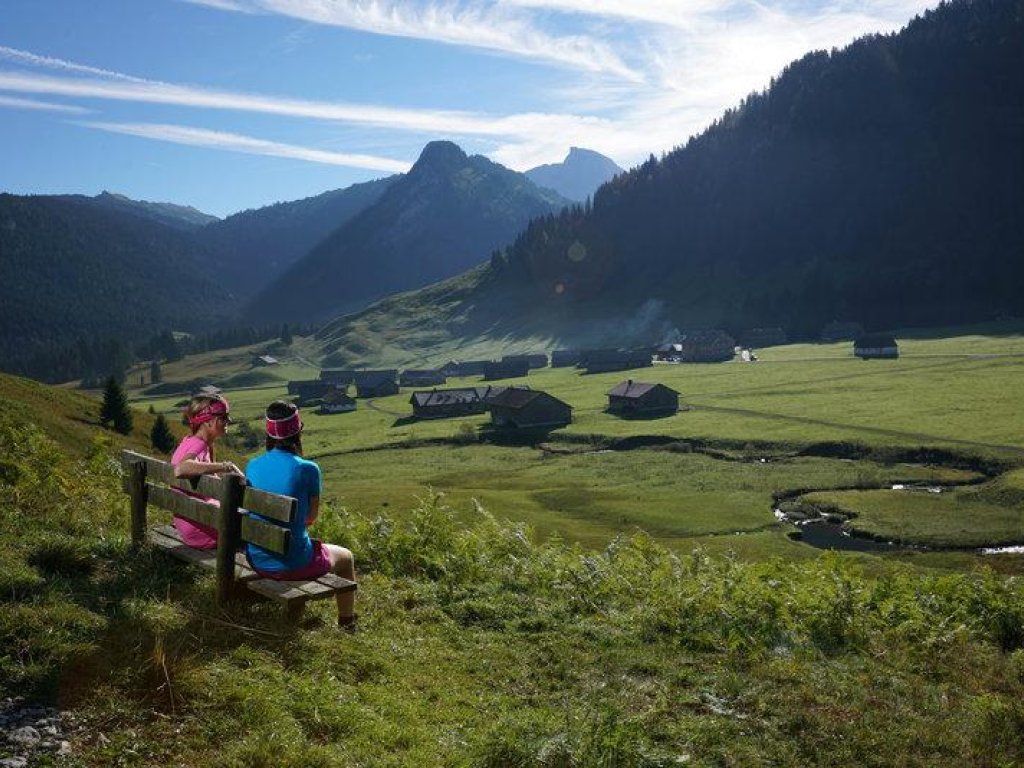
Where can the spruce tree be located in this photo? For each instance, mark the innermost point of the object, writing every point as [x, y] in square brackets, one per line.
[286, 335]
[155, 374]
[160, 437]
[115, 407]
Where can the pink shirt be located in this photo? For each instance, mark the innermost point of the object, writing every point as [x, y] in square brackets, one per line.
[194, 534]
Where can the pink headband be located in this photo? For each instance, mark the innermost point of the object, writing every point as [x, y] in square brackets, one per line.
[281, 429]
[209, 412]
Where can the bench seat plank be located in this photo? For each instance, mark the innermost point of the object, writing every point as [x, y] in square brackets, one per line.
[289, 591]
[168, 538]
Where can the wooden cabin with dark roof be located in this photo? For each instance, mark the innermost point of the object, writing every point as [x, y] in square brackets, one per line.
[533, 360]
[704, 346]
[522, 408]
[604, 360]
[376, 383]
[876, 346]
[458, 369]
[502, 369]
[431, 377]
[640, 398]
[564, 358]
[305, 390]
[451, 403]
[341, 376]
[336, 401]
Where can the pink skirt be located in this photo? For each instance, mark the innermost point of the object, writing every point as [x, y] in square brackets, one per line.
[314, 569]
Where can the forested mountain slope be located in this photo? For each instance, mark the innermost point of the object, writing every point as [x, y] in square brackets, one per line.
[448, 213]
[882, 183]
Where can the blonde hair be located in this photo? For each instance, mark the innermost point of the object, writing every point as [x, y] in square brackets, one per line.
[195, 405]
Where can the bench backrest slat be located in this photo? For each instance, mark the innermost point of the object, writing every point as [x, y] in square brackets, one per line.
[266, 534]
[270, 505]
[189, 507]
[163, 472]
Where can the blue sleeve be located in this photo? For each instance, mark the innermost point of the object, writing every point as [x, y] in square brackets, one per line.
[312, 478]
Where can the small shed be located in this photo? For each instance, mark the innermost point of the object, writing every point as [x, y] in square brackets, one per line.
[533, 360]
[207, 390]
[604, 360]
[260, 361]
[639, 398]
[422, 377]
[458, 368]
[450, 403]
[701, 346]
[305, 390]
[376, 383]
[338, 375]
[506, 369]
[336, 401]
[522, 408]
[876, 345]
[563, 358]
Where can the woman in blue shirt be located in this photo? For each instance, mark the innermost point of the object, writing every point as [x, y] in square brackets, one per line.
[282, 470]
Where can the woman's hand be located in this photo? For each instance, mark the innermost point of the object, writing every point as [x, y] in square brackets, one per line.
[229, 467]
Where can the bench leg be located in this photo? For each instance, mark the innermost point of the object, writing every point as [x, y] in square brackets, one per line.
[295, 610]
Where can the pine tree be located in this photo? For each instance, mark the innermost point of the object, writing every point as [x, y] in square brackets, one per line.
[155, 374]
[160, 437]
[286, 335]
[115, 407]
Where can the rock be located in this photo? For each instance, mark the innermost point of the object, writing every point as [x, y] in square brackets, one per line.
[26, 736]
[65, 748]
[14, 762]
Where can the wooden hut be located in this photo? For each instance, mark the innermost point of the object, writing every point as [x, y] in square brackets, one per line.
[422, 378]
[639, 398]
[876, 345]
[336, 401]
[338, 375]
[704, 346]
[376, 383]
[604, 360]
[521, 408]
[450, 403]
[502, 369]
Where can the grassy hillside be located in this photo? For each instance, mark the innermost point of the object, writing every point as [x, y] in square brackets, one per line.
[485, 643]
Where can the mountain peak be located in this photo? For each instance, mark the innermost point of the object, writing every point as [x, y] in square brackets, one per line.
[578, 176]
[440, 154]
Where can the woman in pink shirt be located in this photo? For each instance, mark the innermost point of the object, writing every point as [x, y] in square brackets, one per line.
[207, 417]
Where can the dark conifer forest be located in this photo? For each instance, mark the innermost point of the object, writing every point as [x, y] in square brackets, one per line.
[883, 183]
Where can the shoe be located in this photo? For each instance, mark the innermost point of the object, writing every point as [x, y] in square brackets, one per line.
[349, 624]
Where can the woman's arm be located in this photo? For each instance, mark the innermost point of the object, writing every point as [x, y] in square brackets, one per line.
[314, 510]
[191, 467]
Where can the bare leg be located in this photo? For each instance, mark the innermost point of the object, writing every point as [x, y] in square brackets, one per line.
[343, 564]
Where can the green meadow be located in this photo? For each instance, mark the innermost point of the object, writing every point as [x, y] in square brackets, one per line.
[615, 593]
[806, 417]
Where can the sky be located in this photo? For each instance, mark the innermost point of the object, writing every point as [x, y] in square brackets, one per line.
[226, 105]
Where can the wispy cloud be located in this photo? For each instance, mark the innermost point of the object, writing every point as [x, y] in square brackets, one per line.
[493, 27]
[12, 102]
[200, 137]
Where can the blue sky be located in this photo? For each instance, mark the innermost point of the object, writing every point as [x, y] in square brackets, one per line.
[234, 104]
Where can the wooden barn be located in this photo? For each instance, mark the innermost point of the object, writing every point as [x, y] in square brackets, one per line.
[376, 383]
[521, 408]
[876, 345]
[756, 338]
[563, 358]
[456, 368]
[305, 390]
[710, 346]
[336, 401]
[639, 398]
[261, 361]
[502, 369]
[533, 360]
[422, 378]
[604, 360]
[450, 403]
[338, 376]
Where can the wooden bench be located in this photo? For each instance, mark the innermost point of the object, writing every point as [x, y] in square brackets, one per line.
[150, 481]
